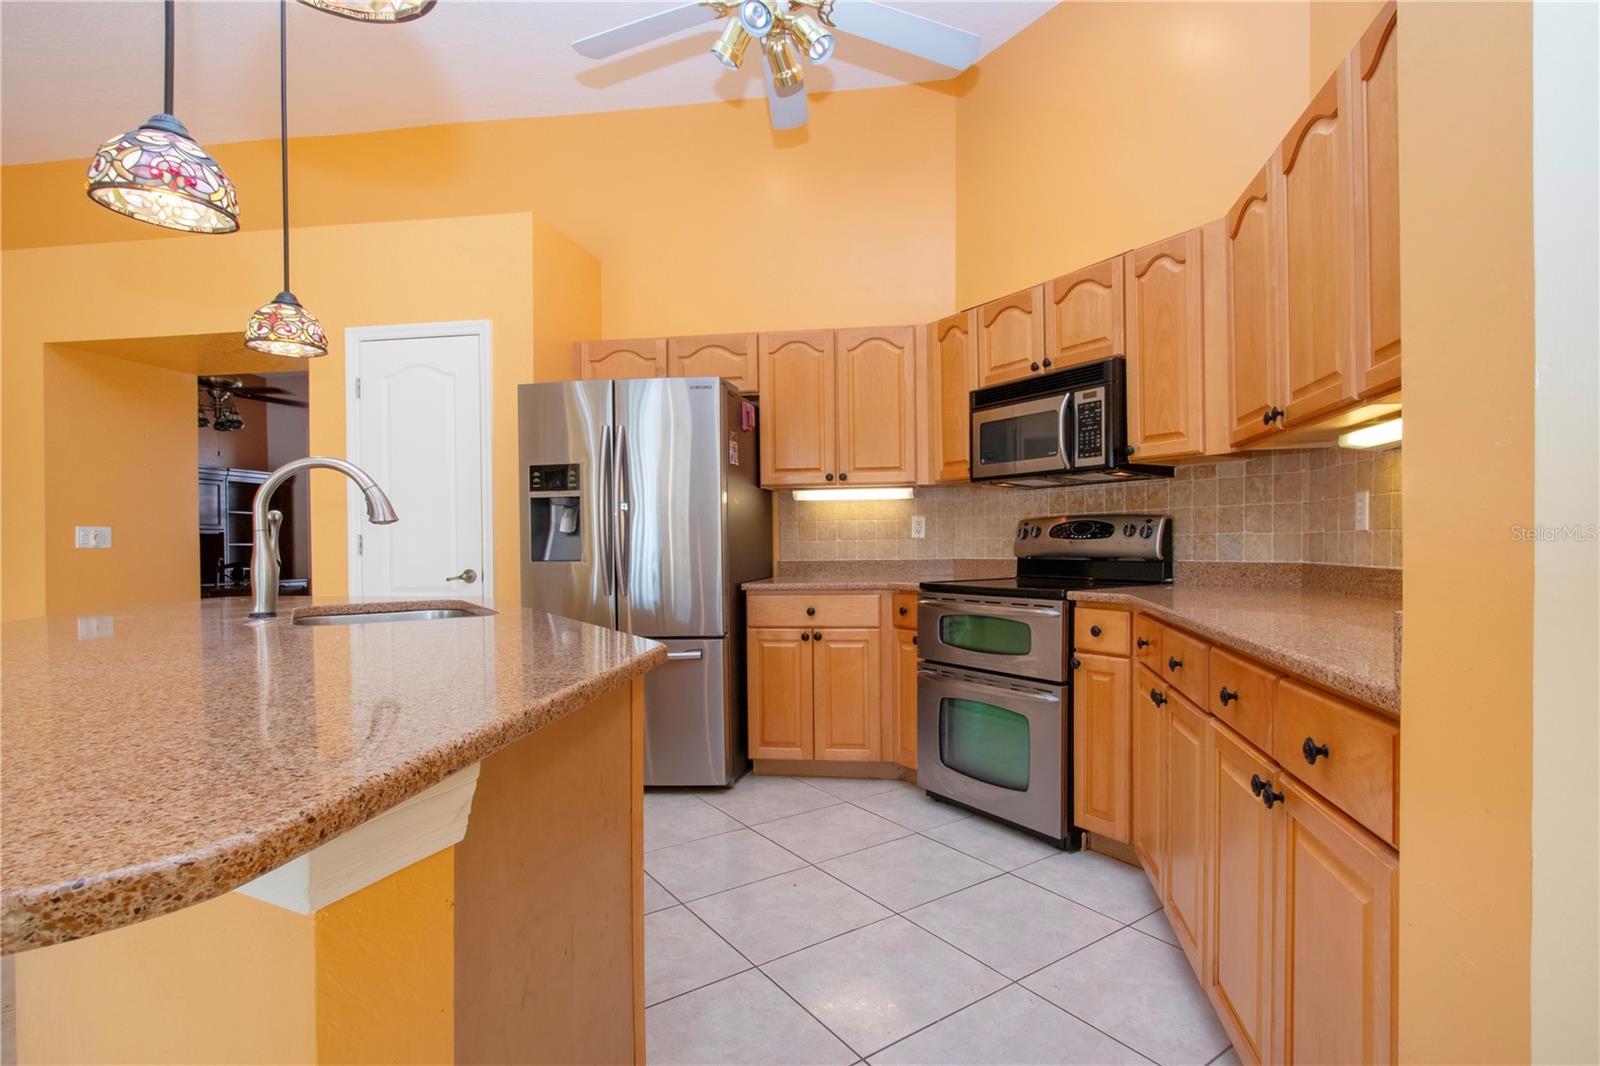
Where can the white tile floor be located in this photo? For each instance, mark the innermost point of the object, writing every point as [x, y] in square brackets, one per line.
[813, 920]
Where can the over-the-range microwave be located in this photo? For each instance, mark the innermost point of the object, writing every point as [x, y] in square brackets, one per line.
[1064, 428]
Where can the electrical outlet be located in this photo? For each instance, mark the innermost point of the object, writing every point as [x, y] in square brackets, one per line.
[919, 526]
[92, 537]
[92, 627]
[1363, 512]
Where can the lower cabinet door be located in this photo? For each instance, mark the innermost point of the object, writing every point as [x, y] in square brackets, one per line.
[1335, 954]
[905, 698]
[1238, 969]
[1102, 741]
[848, 687]
[779, 665]
[1149, 771]
[1185, 822]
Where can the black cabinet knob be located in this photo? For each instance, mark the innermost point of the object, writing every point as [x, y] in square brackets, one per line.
[913, 641]
[811, 612]
[1157, 697]
[1033, 366]
[844, 477]
[1094, 631]
[805, 636]
[1224, 695]
[1173, 662]
[1271, 416]
[1077, 663]
[904, 611]
[828, 477]
[1311, 749]
[1270, 797]
[817, 636]
[1047, 364]
[1141, 642]
[1257, 786]
[1127, 449]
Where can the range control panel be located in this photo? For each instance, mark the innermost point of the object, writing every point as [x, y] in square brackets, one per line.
[1093, 536]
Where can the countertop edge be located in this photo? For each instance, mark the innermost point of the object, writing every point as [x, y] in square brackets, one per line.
[800, 584]
[1383, 698]
[217, 868]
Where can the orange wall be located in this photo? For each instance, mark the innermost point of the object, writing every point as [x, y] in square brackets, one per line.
[704, 218]
[1336, 26]
[1466, 287]
[1108, 125]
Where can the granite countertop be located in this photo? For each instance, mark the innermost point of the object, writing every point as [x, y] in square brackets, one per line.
[898, 575]
[1347, 643]
[161, 756]
[838, 583]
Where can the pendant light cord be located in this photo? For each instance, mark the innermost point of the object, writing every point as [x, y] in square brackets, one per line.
[283, 129]
[172, 19]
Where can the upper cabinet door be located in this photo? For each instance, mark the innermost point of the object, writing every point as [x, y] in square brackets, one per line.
[1316, 216]
[1011, 337]
[797, 416]
[1377, 257]
[623, 359]
[1166, 348]
[718, 355]
[877, 382]
[952, 365]
[1255, 326]
[1083, 315]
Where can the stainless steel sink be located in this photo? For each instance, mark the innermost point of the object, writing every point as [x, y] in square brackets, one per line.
[382, 616]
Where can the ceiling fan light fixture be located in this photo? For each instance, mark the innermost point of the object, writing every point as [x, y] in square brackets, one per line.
[756, 17]
[283, 327]
[730, 47]
[783, 58]
[374, 10]
[816, 40]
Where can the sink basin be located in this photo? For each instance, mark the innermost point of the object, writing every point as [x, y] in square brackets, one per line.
[382, 616]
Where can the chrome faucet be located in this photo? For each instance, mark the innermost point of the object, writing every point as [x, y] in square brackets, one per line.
[265, 562]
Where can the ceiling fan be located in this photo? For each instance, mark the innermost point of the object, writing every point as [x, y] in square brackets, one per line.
[787, 31]
[224, 416]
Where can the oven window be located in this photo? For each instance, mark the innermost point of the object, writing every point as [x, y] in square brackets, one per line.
[986, 634]
[1018, 439]
[984, 742]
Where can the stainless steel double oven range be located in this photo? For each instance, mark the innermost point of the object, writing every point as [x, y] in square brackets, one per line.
[994, 677]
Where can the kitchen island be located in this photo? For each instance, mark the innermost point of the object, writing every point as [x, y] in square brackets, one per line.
[413, 840]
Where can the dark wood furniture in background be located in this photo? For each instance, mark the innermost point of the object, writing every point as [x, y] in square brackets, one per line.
[226, 495]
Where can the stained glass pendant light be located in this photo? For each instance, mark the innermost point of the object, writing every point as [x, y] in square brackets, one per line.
[374, 10]
[282, 326]
[158, 174]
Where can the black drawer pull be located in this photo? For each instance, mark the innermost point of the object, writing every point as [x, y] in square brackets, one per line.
[1173, 662]
[1094, 631]
[811, 612]
[1311, 749]
[1141, 642]
[904, 611]
[1258, 786]
[1270, 797]
[1225, 696]
[805, 636]
[1157, 697]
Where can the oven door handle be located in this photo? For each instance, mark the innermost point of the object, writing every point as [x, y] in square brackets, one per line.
[1041, 697]
[1037, 612]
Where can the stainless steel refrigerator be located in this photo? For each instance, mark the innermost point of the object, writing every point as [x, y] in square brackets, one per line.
[642, 512]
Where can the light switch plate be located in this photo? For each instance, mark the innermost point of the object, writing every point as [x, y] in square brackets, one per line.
[92, 537]
[919, 526]
[1363, 512]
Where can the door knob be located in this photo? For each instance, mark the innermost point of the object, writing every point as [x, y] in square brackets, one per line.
[468, 575]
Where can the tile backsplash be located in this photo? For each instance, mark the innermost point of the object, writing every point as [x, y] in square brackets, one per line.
[1287, 506]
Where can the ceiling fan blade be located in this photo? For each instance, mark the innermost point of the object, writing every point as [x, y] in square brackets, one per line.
[642, 31]
[787, 112]
[945, 45]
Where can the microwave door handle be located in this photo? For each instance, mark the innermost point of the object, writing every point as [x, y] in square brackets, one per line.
[1069, 431]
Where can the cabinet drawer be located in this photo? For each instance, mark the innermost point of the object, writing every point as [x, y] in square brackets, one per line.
[1241, 695]
[803, 609]
[1100, 631]
[1183, 664]
[1362, 754]
[904, 610]
[1147, 641]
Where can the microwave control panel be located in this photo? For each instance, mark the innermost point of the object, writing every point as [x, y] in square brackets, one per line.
[1089, 445]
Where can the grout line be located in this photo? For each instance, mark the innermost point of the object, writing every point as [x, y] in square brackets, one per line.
[695, 840]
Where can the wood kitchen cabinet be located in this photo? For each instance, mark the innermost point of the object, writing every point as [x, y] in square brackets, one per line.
[877, 405]
[1150, 715]
[952, 368]
[1185, 827]
[780, 679]
[1240, 888]
[1256, 353]
[905, 686]
[1011, 337]
[846, 686]
[1377, 237]
[717, 355]
[646, 358]
[797, 425]
[1083, 315]
[1103, 745]
[1164, 286]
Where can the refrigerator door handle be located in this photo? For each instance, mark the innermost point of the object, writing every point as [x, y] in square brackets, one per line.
[607, 491]
[624, 493]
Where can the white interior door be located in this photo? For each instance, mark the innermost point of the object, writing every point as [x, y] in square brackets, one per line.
[420, 426]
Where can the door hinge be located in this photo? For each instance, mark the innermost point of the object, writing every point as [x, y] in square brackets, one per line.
[358, 388]
[361, 543]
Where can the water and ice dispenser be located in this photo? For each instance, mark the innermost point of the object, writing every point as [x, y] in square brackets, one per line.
[555, 513]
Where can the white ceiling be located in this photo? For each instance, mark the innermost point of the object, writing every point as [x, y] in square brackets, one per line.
[75, 72]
